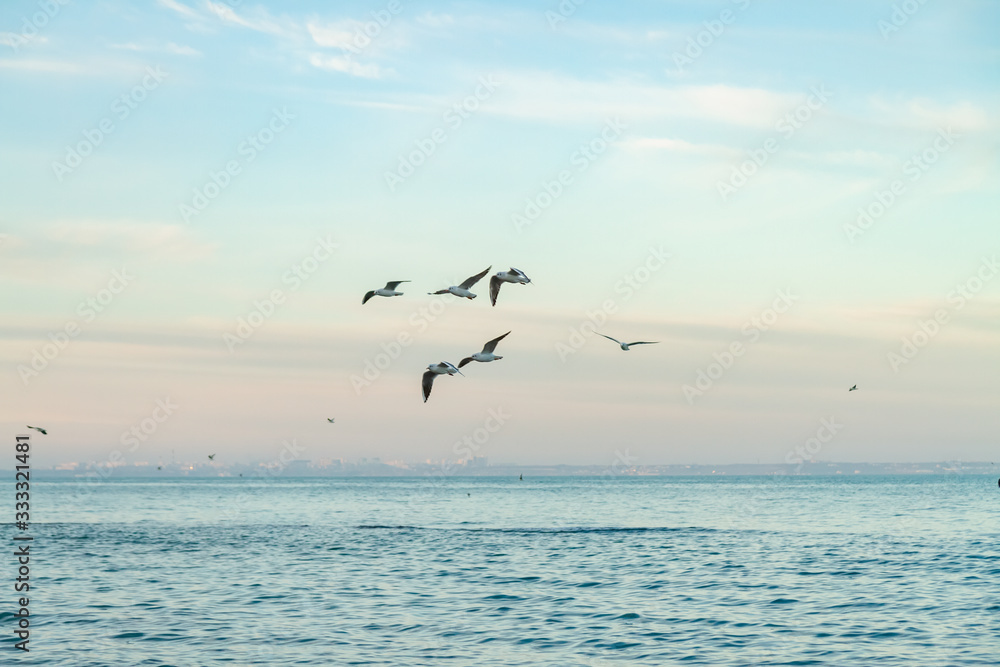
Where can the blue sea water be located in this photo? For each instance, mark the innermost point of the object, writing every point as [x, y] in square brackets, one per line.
[560, 571]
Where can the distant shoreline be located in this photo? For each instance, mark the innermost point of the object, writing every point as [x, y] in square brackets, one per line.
[426, 470]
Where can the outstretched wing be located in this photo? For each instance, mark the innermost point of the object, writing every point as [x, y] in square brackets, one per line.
[644, 342]
[469, 282]
[494, 289]
[465, 361]
[367, 296]
[440, 291]
[609, 338]
[492, 345]
[428, 383]
[521, 273]
[394, 284]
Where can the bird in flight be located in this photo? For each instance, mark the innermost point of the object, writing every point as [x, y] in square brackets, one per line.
[329, 419]
[486, 354]
[853, 388]
[211, 457]
[434, 370]
[40, 430]
[159, 467]
[625, 346]
[463, 289]
[388, 290]
[512, 276]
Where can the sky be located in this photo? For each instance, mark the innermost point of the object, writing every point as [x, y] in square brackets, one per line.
[790, 198]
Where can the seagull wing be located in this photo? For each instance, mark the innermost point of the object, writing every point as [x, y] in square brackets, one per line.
[469, 282]
[520, 273]
[465, 361]
[440, 291]
[609, 338]
[394, 284]
[428, 383]
[644, 342]
[492, 345]
[367, 296]
[494, 289]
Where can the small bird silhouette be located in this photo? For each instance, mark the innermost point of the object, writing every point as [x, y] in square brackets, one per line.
[40, 430]
[853, 388]
[329, 420]
[625, 346]
[211, 457]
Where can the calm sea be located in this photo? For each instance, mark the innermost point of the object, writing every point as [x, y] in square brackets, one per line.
[560, 571]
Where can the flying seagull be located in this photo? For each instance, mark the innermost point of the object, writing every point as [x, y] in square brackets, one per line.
[512, 276]
[211, 457]
[388, 290]
[853, 388]
[437, 369]
[463, 289]
[329, 420]
[486, 354]
[40, 430]
[625, 346]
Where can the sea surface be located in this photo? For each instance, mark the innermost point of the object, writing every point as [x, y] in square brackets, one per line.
[563, 571]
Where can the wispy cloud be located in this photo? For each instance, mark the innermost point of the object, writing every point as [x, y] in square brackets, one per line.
[346, 65]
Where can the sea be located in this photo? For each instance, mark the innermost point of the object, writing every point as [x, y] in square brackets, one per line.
[859, 571]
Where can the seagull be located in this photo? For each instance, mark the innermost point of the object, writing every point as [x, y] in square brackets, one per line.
[40, 430]
[853, 388]
[486, 354]
[211, 457]
[388, 290]
[329, 420]
[625, 346]
[512, 276]
[463, 289]
[437, 369]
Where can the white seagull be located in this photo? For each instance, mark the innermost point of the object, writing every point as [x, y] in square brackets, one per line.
[486, 354]
[388, 290]
[512, 276]
[625, 346]
[463, 289]
[437, 369]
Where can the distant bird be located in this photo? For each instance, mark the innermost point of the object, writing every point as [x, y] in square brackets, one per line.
[388, 290]
[512, 276]
[211, 457]
[40, 430]
[159, 467]
[853, 388]
[437, 369]
[521, 477]
[625, 346]
[486, 354]
[463, 289]
[329, 420]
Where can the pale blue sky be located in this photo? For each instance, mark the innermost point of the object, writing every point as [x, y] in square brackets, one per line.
[346, 112]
